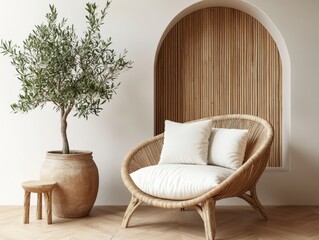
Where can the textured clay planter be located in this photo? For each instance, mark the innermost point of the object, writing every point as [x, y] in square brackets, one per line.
[77, 180]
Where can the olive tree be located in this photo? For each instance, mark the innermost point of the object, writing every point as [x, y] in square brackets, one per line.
[73, 72]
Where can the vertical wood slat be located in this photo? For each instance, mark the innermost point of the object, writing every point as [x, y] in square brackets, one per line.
[218, 61]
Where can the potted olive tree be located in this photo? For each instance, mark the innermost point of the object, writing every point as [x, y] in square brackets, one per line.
[76, 74]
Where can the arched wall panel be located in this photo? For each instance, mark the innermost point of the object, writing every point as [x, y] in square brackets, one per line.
[217, 61]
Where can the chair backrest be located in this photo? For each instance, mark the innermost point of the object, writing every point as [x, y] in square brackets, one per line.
[260, 139]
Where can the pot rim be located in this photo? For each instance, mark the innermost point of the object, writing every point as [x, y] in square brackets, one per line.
[72, 152]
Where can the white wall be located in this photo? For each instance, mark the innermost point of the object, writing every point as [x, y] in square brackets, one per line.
[128, 119]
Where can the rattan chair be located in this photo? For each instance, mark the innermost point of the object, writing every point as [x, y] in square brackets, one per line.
[242, 183]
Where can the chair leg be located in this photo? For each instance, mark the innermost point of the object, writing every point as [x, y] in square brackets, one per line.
[39, 206]
[208, 215]
[48, 205]
[26, 207]
[130, 210]
[253, 200]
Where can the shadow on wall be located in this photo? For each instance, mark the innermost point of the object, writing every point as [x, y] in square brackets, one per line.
[296, 183]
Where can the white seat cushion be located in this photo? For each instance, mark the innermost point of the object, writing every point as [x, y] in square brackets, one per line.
[179, 181]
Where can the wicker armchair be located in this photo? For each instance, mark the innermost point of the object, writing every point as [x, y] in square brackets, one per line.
[242, 183]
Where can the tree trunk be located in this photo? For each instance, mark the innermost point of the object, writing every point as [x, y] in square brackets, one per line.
[64, 125]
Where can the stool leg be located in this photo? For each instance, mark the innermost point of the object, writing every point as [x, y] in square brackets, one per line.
[48, 203]
[39, 206]
[26, 207]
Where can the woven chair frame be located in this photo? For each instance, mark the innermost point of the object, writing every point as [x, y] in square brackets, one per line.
[242, 183]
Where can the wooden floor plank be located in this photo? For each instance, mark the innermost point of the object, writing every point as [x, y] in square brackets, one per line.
[240, 223]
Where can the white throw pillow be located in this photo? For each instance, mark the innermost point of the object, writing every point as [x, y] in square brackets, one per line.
[186, 142]
[227, 147]
[179, 181]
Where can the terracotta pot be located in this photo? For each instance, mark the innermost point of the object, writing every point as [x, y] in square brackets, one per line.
[77, 180]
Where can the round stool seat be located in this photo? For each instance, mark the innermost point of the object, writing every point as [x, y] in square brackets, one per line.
[38, 186]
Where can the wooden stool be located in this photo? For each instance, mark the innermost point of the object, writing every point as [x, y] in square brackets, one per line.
[39, 187]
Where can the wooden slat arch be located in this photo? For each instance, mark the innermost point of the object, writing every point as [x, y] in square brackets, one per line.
[218, 61]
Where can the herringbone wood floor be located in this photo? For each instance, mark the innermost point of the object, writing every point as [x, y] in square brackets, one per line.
[148, 223]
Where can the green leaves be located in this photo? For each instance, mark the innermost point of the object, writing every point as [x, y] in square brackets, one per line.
[93, 19]
[56, 65]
